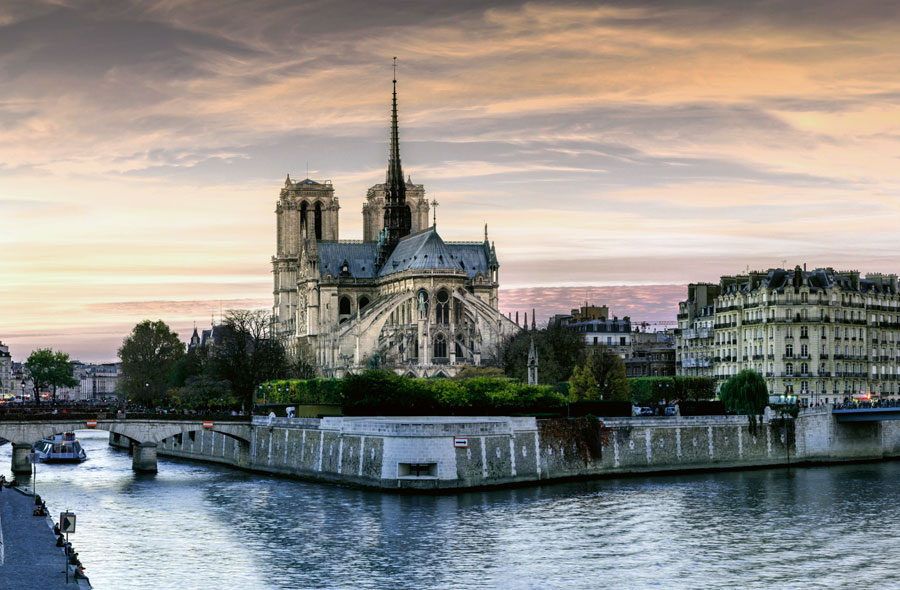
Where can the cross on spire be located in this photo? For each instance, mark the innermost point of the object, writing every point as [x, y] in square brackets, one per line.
[434, 205]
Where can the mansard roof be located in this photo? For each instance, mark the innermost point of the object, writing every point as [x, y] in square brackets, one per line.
[779, 279]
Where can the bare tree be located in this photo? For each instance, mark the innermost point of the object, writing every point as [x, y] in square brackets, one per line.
[248, 352]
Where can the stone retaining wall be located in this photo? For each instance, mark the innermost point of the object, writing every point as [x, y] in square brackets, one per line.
[418, 453]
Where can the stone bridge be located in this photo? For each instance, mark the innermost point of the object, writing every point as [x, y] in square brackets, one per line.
[144, 435]
[866, 414]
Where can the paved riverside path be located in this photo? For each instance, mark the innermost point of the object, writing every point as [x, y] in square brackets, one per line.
[32, 561]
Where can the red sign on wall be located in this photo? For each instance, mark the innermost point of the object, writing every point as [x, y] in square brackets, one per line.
[460, 443]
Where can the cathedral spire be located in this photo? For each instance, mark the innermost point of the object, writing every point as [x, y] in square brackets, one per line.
[397, 216]
[394, 177]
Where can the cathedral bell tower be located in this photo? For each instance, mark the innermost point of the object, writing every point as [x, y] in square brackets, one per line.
[397, 216]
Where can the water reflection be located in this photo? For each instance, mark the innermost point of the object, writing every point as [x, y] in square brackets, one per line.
[202, 526]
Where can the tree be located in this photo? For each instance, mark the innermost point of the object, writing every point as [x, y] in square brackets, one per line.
[191, 365]
[149, 355]
[49, 369]
[745, 393]
[201, 392]
[601, 376]
[558, 349]
[248, 354]
[303, 363]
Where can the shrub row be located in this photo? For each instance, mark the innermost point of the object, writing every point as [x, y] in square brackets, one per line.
[302, 391]
[384, 393]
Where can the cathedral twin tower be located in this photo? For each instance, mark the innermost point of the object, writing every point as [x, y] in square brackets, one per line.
[401, 298]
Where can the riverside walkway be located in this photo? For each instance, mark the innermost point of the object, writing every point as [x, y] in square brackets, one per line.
[30, 558]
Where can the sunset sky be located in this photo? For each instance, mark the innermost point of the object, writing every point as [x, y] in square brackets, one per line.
[624, 148]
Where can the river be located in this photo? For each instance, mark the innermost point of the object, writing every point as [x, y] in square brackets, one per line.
[194, 525]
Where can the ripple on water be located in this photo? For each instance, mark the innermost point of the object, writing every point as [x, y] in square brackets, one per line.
[200, 526]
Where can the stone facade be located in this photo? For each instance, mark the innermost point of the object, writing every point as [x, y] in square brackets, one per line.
[402, 298]
[820, 335]
[652, 355]
[6, 372]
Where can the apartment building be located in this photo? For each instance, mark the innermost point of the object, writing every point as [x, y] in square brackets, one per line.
[820, 335]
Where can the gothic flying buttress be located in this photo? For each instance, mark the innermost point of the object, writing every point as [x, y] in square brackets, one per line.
[397, 216]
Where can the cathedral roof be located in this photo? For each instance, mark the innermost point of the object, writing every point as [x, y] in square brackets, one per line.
[427, 251]
[359, 256]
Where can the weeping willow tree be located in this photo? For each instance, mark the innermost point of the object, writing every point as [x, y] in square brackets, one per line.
[745, 393]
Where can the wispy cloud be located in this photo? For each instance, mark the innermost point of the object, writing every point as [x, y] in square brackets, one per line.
[604, 143]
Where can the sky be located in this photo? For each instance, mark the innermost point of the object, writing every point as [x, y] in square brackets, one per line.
[616, 150]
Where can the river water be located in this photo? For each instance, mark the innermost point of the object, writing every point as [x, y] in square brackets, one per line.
[194, 525]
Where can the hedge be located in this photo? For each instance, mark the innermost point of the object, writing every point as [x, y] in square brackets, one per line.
[302, 391]
[385, 393]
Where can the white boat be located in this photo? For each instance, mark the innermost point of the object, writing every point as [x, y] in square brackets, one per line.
[60, 448]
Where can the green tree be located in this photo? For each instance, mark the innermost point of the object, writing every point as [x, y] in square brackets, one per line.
[191, 365]
[49, 369]
[559, 351]
[600, 376]
[745, 393]
[247, 354]
[202, 392]
[149, 355]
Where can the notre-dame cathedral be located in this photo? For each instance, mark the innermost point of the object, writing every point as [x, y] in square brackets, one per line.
[401, 297]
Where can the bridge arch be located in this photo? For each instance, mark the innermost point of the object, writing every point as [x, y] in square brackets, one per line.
[144, 435]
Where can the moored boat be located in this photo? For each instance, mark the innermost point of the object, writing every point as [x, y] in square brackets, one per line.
[60, 448]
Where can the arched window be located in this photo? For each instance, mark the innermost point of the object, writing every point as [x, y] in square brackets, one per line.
[344, 308]
[318, 220]
[363, 301]
[440, 346]
[442, 307]
[303, 208]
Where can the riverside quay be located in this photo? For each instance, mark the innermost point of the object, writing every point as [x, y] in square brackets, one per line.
[821, 335]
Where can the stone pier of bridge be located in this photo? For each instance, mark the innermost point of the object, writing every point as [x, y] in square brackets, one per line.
[20, 462]
[143, 457]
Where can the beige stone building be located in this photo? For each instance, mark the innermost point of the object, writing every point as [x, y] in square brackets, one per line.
[819, 335]
[6, 373]
[402, 297]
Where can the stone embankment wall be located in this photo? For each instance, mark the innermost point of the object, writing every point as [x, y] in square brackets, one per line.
[426, 452]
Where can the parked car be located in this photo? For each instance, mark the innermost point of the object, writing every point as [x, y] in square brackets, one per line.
[671, 411]
[643, 411]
